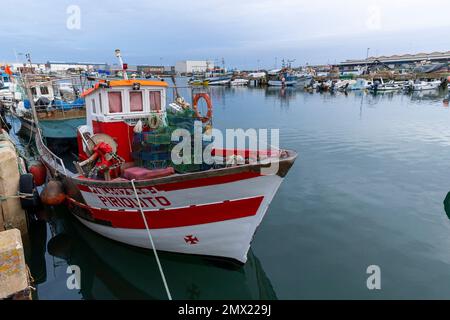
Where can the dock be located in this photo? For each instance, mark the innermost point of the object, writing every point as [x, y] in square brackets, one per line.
[14, 275]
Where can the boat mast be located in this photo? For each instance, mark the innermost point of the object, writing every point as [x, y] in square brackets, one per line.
[122, 65]
[30, 98]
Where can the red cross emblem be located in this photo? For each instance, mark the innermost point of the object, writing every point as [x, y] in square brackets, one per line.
[191, 239]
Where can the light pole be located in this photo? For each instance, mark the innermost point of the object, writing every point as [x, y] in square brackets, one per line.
[119, 56]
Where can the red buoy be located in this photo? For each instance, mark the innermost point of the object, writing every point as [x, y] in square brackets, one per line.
[53, 193]
[39, 172]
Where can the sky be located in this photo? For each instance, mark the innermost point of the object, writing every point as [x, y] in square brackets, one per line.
[247, 34]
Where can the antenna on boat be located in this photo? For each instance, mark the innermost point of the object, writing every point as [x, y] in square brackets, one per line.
[177, 94]
[122, 65]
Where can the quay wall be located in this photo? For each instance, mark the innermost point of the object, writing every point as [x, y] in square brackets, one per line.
[11, 213]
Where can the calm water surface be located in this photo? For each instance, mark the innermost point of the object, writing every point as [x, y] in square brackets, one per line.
[367, 189]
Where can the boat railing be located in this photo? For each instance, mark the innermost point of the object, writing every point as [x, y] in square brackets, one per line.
[47, 155]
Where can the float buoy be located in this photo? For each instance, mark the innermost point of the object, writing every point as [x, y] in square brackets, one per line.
[27, 187]
[53, 193]
[39, 172]
[208, 103]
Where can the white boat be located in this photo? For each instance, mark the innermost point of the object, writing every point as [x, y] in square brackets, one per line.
[239, 82]
[381, 86]
[424, 85]
[256, 75]
[218, 79]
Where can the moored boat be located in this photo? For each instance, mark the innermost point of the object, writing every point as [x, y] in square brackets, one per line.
[282, 78]
[59, 112]
[239, 82]
[423, 85]
[218, 80]
[381, 86]
[210, 210]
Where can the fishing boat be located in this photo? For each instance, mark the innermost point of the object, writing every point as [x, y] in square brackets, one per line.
[59, 110]
[381, 86]
[281, 78]
[125, 183]
[6, 93]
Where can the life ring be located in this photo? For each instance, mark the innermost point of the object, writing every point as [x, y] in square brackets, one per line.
[208, 103]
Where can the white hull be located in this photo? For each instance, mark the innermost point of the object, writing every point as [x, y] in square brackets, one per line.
[239, 82]
[278, 83]
[219, 83]
[426, 86]
[229, 238]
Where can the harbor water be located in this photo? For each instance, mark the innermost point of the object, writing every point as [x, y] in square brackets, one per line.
[367, 189]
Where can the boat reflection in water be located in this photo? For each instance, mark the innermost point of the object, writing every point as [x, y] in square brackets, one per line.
[111, 270]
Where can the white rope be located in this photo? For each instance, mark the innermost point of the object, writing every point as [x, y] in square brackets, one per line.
[151, 241]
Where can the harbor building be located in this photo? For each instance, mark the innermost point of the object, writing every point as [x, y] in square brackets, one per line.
[159, 70]
[397, 61]
[58, 66]
[193, 66]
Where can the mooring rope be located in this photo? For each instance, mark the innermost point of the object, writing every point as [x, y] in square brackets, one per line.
[151, 242]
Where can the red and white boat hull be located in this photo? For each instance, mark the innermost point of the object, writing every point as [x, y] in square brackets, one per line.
[213, 220]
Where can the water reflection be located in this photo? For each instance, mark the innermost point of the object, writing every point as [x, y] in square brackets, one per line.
[111, 270]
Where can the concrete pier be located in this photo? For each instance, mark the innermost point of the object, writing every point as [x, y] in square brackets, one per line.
[14, 280]
[11, 213]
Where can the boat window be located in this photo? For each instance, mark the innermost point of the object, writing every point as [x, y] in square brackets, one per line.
[100, 106]
[94, 110]
[115, 102]
[155, 100]
[33, 91]
[44, 90]
[136, 102]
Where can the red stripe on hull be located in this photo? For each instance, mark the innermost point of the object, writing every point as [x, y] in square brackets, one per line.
[195, 183]
[180, 217]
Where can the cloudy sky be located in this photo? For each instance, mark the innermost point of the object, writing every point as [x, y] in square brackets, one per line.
[246, 33]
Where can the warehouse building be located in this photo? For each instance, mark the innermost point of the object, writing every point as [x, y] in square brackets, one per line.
[193, 66]
[397, 61]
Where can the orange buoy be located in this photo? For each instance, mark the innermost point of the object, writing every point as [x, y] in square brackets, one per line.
[39, 172]
[53, 193]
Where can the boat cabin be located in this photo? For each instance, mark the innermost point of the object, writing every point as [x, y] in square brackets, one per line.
[44, 90]
[115, 107]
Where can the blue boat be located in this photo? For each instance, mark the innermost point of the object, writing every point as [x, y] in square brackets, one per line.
[57, 118]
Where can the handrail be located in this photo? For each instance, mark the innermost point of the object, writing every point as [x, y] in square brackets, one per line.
[44, 151]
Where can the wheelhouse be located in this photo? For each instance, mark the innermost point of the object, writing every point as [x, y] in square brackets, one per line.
[115, 107]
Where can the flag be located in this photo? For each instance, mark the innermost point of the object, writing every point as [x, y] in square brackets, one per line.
[8, 70]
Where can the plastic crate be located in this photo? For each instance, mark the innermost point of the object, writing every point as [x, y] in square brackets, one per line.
[152, 155]
[153, 138]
